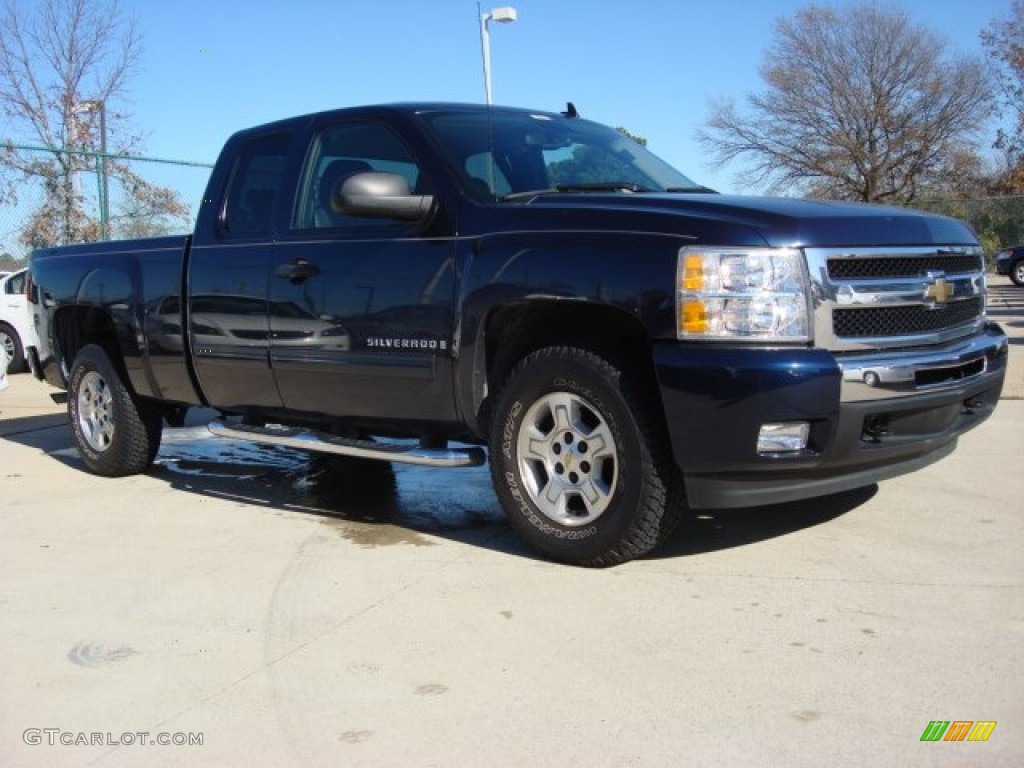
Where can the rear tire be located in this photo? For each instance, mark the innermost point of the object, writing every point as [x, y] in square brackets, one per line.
[116, 432]
[15, 352]
[579, 461]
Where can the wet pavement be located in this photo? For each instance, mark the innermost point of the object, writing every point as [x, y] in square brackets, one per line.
[371, 503]
[300, 611]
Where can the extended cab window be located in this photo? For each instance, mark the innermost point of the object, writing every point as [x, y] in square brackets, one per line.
[341, 151]
[254, 185]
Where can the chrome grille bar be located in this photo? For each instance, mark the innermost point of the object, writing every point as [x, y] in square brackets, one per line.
[895, 297]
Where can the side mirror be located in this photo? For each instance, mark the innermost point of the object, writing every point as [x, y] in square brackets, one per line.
[383, 196]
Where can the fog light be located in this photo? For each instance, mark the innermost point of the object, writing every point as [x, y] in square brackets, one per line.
[785, 437]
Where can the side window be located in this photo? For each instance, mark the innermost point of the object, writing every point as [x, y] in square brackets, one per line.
[340, 151]
[16, 284]
[255, 181]
[485, 177]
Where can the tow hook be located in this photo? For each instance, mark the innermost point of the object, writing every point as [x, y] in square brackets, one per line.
[972, 404]
[875, 427]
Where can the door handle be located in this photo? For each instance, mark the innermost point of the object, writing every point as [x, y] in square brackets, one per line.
[297, 270]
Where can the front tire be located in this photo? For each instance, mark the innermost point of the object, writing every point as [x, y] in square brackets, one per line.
[580, 463]
[116, 433]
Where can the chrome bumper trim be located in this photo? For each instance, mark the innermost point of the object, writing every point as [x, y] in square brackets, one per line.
[892, 374]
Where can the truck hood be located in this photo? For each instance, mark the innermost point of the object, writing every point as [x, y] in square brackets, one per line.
[775, 221]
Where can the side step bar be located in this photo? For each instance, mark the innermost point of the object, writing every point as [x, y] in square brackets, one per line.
[321, 442]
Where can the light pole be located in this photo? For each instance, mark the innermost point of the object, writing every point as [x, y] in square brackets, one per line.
[504, 15]
[98, 105]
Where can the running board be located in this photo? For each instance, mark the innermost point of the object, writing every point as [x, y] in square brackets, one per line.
[321, 442]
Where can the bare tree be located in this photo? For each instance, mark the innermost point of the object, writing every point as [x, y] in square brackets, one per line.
[58, 62]
[859, 104]
[1004, 40]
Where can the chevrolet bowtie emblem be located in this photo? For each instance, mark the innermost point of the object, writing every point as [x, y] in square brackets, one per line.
[939, 291]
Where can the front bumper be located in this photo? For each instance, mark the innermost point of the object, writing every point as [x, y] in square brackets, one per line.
[861, 431]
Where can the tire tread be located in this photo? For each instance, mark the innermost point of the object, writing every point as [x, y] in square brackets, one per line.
[138, 423]
[662, 501]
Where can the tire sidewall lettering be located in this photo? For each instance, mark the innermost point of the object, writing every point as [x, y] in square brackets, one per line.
[530, 515]
[509, 431]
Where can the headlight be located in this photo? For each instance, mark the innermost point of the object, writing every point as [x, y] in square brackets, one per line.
[755, 294]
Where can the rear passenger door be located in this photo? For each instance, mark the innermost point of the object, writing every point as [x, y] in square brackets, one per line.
[361, 308]
[227, 309]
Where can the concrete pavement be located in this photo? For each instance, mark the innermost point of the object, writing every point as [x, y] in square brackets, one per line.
[293, 618]
[1006, 307]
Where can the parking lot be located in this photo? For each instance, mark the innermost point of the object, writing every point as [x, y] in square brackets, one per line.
[282, 615]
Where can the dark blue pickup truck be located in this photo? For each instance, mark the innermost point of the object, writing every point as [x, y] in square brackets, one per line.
[624, 342]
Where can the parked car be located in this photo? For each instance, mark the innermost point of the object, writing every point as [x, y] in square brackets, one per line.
[1010, 261]
[16, 330]
[3, 369]
[242, 321]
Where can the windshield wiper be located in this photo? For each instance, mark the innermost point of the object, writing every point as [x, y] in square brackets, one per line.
[530, 193]
[601, 186]
[597, 186]
[695, 190]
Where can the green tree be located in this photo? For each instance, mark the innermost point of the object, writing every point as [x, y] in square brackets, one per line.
[1004, 41]
[59, 61]
[8, 263]
[638, 139]
[858, 104]
[595, 165]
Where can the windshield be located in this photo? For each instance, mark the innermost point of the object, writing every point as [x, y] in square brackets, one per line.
[501, 154]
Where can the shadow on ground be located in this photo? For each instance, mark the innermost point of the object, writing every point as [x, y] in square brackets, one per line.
[376, 504]
[714, 530]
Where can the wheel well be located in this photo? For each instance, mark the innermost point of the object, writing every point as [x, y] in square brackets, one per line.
[77, 327]
[513, 332]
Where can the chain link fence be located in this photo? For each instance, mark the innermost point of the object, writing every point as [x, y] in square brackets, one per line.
[79, 196]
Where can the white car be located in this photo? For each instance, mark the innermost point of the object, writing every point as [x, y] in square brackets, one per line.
[3, 369]
[16, 329]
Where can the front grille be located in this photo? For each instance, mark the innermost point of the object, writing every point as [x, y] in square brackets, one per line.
[879, 322]
[903, 266]
[895, 296]
[252, 335]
